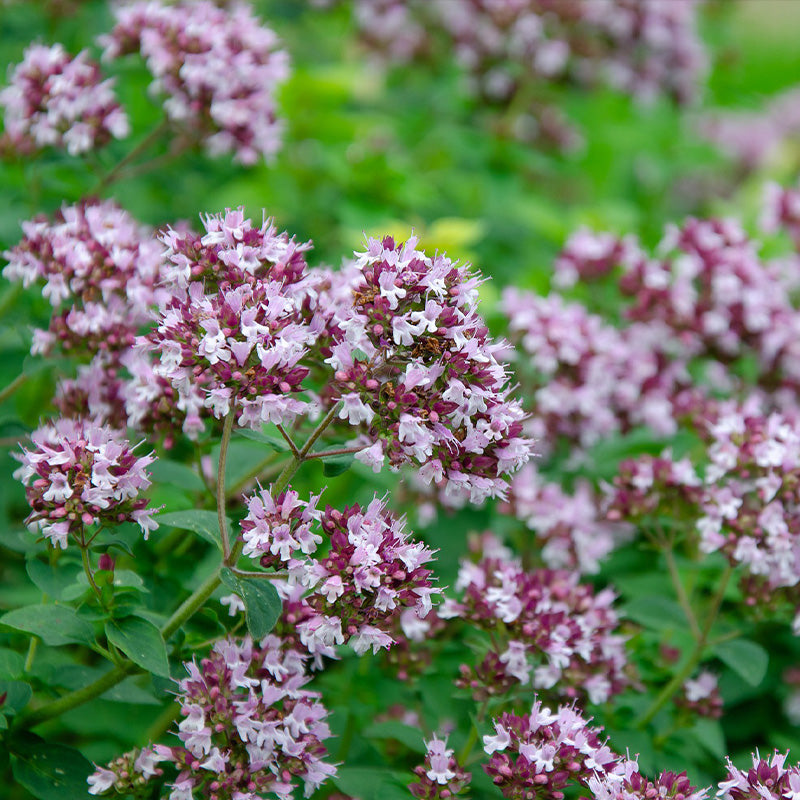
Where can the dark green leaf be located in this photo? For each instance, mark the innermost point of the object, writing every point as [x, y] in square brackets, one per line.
[55, 625]
[366, 783]
[656, 612]
[204, 523]
[53, 580]
[141, 641]
[262, 605]
[331, 467]
[17, 696]
[392, 729]
[748, 659]
[50, 771]
[174, 473]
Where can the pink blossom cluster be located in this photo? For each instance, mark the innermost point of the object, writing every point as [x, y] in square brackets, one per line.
[219, 69]
[586, 379]
[754, 138]
[557, 634]
[571, 527]
[545, 753]
[415, 368]
[80, 473]
[782, 211]
[231, 330]
[370, 571]
[250, 728]
[440, 776]
[516, 52]
[708, 292]
[100, 270]
[55, 100]
[768, 779]
[701, 696]
[542, 753]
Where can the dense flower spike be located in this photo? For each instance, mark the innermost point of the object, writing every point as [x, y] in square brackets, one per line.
[440, 776]
[231, 330]
[587, 379]
[414, 365]
[100, 270]
[80, 473]
[250, 728]
[769, 779]
[370, 573]
[541, 753]
[557, 634]
[515, 52]
[574, 531]
[55, 100]
[219, 69]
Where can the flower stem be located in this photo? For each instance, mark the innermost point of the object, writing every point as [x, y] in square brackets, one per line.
[130, 156]
[680, 591]
[694, 657]
[87, 568]
[12, 387]
[342, 451]
[227, 429]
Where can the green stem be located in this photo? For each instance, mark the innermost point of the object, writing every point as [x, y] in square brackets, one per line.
[34, 643]
[260, 472]
[130, 156]
[87, 568]
[342, 451]
[191, 604]
[223, 456]
[695, 656]
[289, 440]
[12, 387]
[267, 576]
[680, 591]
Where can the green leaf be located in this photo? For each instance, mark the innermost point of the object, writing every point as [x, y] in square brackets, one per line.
[392, 729]
[176, 474]
[276, 443]
[11, 663]
[53, 580]
[204, 523]
[747, 659]
[262, 605]
[336, 466]
[709, 735]
[17, 695]
[656, 612]
[49, 771]
[141, 641]
[367, 783]
[55, 625]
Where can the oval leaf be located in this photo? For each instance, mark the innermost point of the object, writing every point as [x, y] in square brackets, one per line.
[204, 523]
[262, 605]
[50, 771]
[142, 642]
[747, 659]
[55, 625]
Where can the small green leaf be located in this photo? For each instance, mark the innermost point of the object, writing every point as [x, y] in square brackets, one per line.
[747, 659]
[17, 696]
[10, 663]
[276, 443]
[262, 605]
[49, 771]
[176, 474]
[336, 466]
[656, 612]
[141, 641]
[392, 729]
[55, 625]
[204, 523]
[53, 580]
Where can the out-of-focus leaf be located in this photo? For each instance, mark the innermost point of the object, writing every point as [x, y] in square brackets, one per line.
[205, 523]
[176, 474]
[748, 659]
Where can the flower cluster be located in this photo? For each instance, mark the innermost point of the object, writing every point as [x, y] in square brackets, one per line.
[587, 379]
[219, 69]
[99, 267]
[127, 774]
[516, 53]
[440, 776]
[250, 728]
[546, 616]
[541, 753]
[754, 138]
[768, 779]
[782, 211]
[414, 365]
[627, 783]
[231, 331]
[571, 527]
[55, 100]
[370, 573]
[701, 696]
[80, 473]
